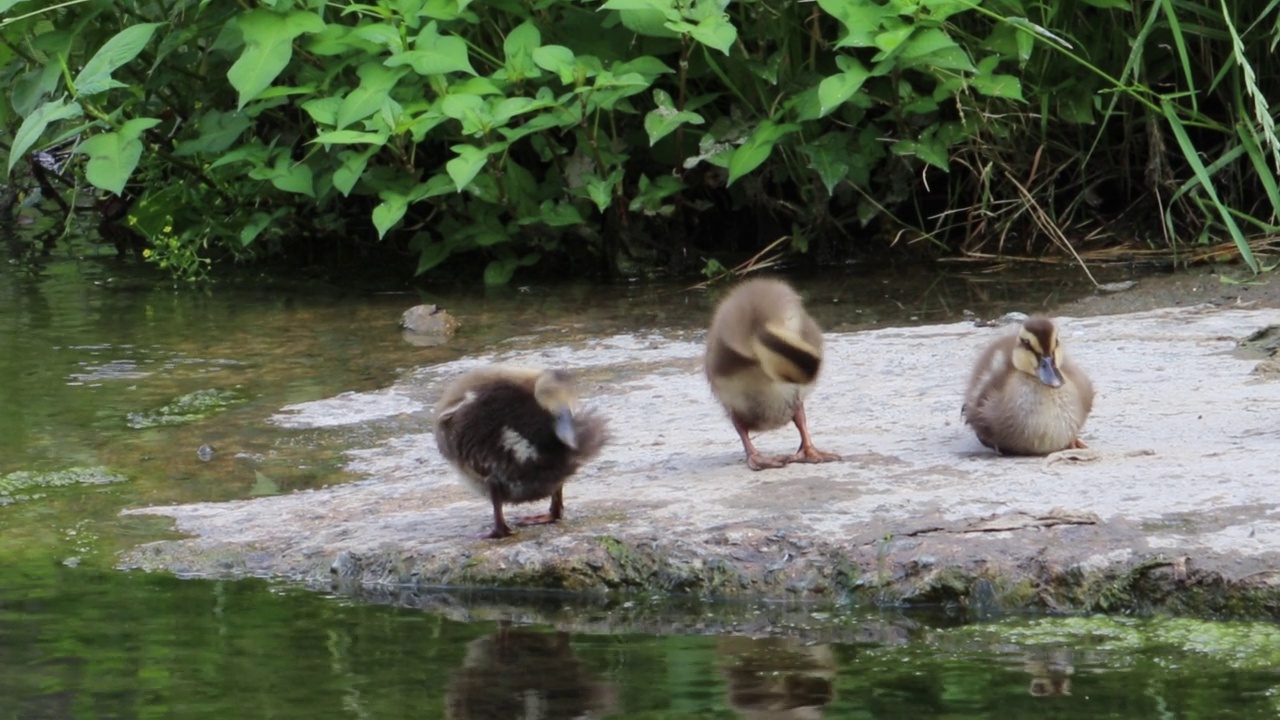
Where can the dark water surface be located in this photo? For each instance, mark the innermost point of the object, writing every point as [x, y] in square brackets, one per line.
[92, 353]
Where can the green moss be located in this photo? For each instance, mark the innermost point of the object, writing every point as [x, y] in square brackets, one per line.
[187, 408]
[1240, 645]
[630, 567]
[26, 485]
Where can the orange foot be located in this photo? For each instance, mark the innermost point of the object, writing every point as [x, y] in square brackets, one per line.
[813, 455]
[757, 461]
[498, 532]
[541, 519]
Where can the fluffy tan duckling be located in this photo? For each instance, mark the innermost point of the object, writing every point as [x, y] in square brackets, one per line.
[515, 435]
[1025, 396]
[763, 357]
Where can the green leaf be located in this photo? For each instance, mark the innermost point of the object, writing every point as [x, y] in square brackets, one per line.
[861, 20]
[431, 255]
[555, 214]
[134, 128]
[600, 190]
[716, 32]
[323, 111]
[443, 9]
[350, 137]
[287, 175]
[997, 85]
[34, 126]
[470, 110]
[557, 59]
[112, 159]
[499, 272]
[646, 17]
[664, 119]
[437, 185]
[252, 152]
[833, 91]
[389, 211]
[892, 38]
[353, 164]
[934, 48]
[124, 46]
[32, 87]
[511, 107]
[646, 66]
[268, 47]
[256, 224]
[435, 54]
[218, 131]
[470, 160]
[829, 156]
[518, 49]
[756, 149]
[376, 81]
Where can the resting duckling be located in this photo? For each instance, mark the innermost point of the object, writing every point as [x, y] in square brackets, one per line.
[763, 357]
[1025, 397]
[515, 436]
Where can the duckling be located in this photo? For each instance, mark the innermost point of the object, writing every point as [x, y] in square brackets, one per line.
[514, 435]
[763, 357]
[1025, 397]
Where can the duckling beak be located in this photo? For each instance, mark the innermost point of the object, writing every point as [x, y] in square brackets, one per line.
[1048, 373]
[565, 429]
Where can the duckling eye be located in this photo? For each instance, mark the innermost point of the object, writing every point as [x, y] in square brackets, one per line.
[1026, 344]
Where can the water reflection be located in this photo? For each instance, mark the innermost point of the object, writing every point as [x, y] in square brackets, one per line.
[1051, 669]
[777, 678]
[528, 674]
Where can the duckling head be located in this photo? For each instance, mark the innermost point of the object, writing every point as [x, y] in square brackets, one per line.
[554, 391]
[1038, 352]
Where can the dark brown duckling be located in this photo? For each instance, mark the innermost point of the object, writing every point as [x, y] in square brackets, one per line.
[763, 357]
[1025, 396]
[515, 436]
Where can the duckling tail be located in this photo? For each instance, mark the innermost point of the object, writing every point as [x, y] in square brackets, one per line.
[785, 356]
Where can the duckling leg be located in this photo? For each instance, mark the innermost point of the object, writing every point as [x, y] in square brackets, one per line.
[807, 452]
[557, 511]
[755, 460]
[1078, 444]
[500, 528]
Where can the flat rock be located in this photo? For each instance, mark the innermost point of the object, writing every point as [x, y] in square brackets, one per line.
[1176, 492]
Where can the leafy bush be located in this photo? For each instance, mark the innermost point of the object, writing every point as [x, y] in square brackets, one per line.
[630, 135]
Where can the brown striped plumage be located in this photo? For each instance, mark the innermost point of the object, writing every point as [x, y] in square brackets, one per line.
[764, 353]
[515, 436]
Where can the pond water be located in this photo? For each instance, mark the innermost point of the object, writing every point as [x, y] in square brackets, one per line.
[120, 391]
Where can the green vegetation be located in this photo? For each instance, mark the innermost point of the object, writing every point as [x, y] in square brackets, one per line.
[631, 136]
[26, 485]
[186, 408]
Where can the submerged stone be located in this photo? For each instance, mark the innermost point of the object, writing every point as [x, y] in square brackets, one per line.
[428, 325]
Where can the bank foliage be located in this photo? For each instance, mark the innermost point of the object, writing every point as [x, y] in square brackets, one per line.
[624, 136]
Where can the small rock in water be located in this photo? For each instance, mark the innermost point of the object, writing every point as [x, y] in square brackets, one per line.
[205, 452]
[427, 325]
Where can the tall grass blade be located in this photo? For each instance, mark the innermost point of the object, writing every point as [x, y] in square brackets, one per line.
[1193, 159]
